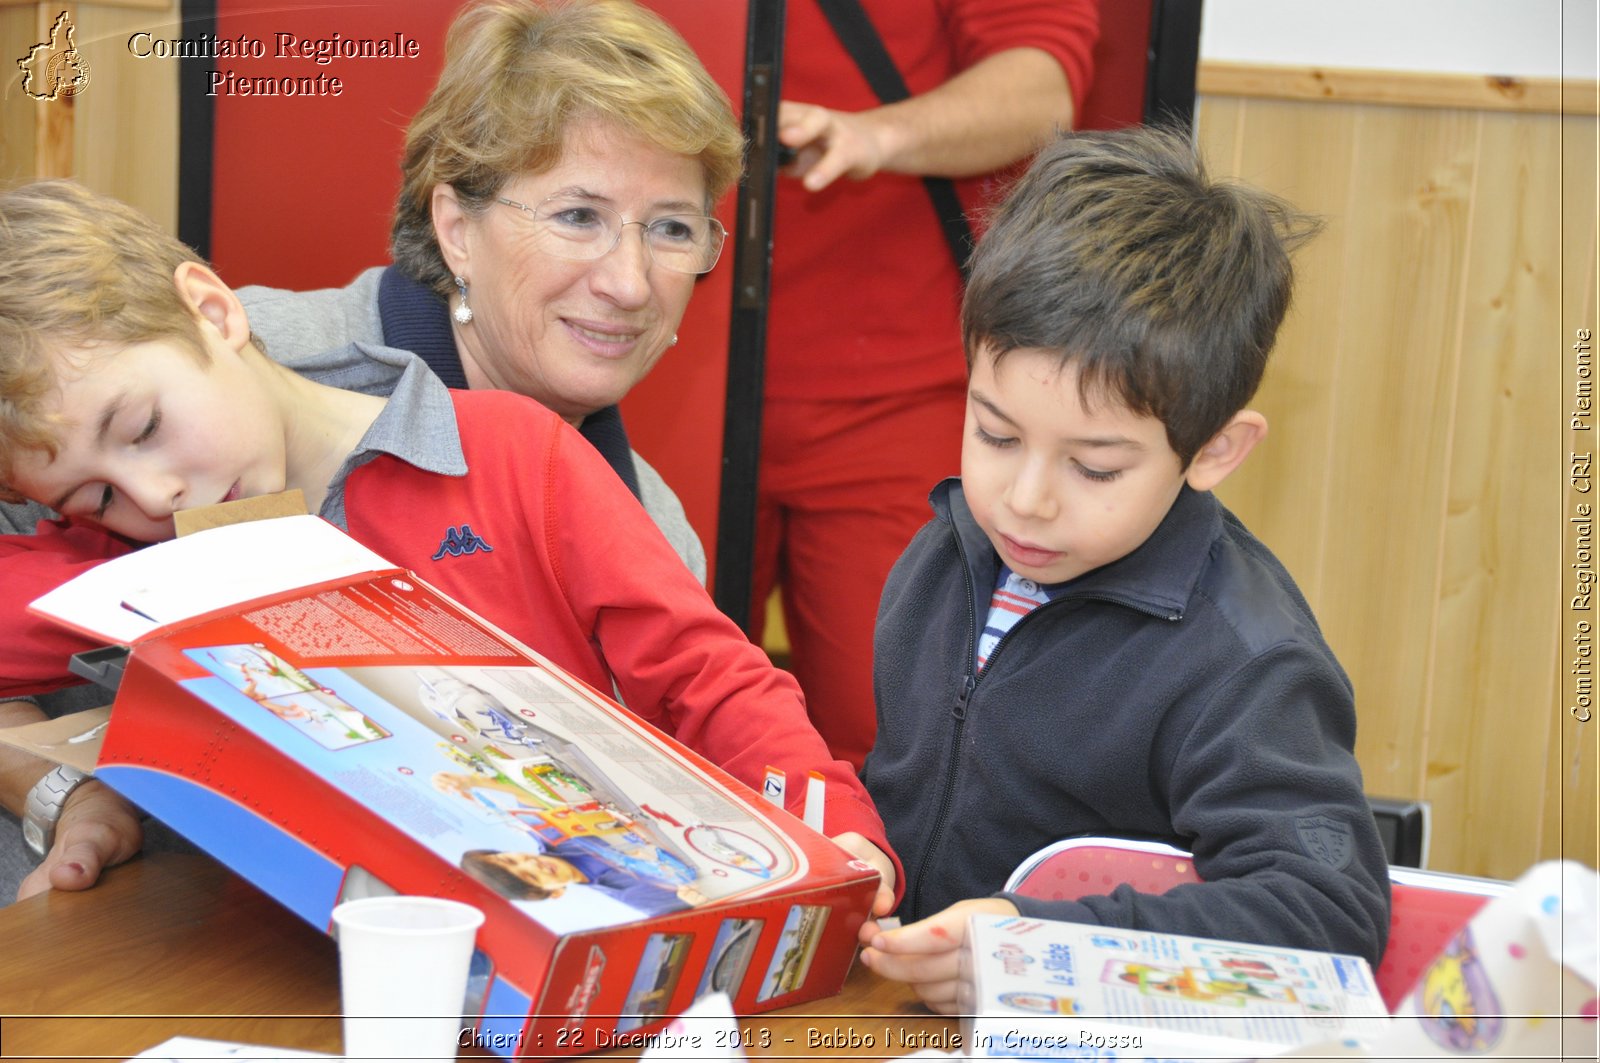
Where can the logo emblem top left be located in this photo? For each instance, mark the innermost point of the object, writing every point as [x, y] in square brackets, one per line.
[55, 69]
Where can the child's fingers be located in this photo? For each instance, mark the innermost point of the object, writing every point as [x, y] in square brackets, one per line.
[858, 846]
[883, 903]
[918, 939]
[939, 996]
[943, 932]
[916, 968]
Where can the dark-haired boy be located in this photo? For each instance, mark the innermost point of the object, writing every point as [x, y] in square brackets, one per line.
[1084, 641]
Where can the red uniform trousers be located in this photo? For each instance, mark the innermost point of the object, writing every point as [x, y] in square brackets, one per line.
[843, 487]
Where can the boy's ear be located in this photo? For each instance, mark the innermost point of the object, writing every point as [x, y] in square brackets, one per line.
[214, 301]
[450, 228]
[1224, 452]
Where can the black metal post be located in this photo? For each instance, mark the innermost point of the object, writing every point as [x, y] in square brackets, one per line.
[747, 339]
[1173, 56]
[196, 132]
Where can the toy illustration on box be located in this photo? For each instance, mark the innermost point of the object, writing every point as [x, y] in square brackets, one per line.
[512, 799]
[292, 696]
[1194, 983]
[456, 702]
[797, 944]
[1228, 974]
[349, 730]
[1058, 989]
[732, 849]
[731, 951]
[654, 980]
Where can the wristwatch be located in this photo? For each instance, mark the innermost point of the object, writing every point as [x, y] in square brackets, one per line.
[45, 803]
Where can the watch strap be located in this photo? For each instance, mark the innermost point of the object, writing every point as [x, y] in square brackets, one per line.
[44, 806]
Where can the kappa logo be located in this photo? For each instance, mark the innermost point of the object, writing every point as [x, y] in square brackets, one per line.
[54, 69]
[462, 540]
[1326, 840]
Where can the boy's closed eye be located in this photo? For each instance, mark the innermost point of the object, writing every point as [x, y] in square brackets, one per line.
[103, 498]
[150, 427]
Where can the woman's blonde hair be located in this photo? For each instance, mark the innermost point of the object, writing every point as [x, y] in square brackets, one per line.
[77, 270]
[518, 73]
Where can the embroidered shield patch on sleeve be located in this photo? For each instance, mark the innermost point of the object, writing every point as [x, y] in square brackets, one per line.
[1326, 840]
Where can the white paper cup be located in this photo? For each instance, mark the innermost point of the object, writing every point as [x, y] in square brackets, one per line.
[403, 975]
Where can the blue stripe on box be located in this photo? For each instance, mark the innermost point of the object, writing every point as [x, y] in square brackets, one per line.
[295, 875]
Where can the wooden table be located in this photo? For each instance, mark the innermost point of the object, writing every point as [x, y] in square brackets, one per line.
[171, 945]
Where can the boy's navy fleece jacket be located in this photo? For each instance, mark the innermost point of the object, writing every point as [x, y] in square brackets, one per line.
[1183, 693]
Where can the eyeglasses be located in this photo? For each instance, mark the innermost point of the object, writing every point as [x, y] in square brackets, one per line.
[576, 228]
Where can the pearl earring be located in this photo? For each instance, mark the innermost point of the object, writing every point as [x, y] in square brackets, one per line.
[463, 313]
[673, 342]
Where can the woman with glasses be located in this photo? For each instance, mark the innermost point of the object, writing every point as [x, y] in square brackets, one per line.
[551, 222]
[553, 216]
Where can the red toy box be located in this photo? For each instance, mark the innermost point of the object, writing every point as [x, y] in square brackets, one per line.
[367, 734]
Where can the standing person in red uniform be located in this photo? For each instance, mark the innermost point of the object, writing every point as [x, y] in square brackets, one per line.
[865, 376]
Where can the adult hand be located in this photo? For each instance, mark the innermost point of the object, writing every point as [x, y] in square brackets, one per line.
[98, 829]
[829, 144]
[927, 953]
[858, 846]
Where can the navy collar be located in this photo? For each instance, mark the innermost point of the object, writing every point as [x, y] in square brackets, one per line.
[1158, 578]
[416, 319]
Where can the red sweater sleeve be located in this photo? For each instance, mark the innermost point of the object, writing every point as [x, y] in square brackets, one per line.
[34, 651]
[678, 662]
[1067, 29]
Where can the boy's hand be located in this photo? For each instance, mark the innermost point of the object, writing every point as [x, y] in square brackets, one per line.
[858, 846]
[926, 953]
[98, 828]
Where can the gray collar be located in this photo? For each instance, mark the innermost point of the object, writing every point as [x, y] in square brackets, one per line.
[417, 425]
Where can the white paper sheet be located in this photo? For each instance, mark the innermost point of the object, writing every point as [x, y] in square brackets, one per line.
[132, 595]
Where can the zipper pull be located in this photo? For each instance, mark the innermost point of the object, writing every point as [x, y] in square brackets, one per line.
[964, 697]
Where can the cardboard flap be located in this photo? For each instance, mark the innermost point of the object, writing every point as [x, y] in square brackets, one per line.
[290, 503]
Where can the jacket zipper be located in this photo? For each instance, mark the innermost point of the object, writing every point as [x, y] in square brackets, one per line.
[959, 713]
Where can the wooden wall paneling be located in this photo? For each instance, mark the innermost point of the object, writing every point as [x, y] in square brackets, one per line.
[1417, 377]
[43, 138]
[120, 134]
[1411, 88]
[1283, 486]
[1489, 723]
[1572, 793]
[54, 122]
[18, 114]
[1407, 206]
[125, 140]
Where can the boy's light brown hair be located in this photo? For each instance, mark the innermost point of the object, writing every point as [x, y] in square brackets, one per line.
[518, 74]
[1163, 287]
[77, 270]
